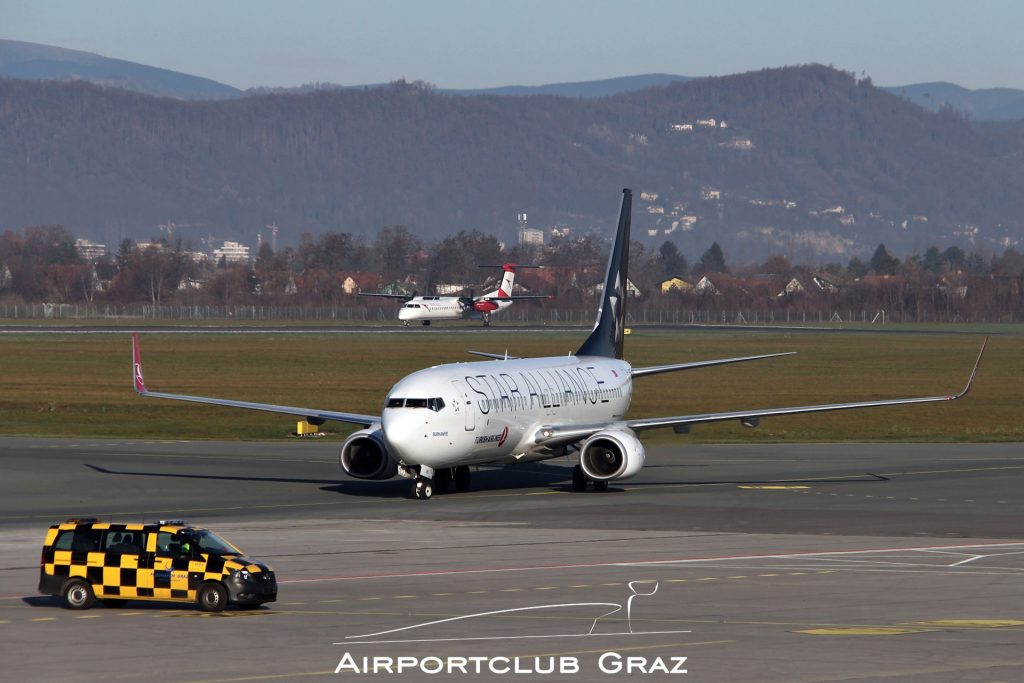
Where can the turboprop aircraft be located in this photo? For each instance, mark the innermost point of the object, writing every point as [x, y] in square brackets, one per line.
[429, 308]
[437, 422]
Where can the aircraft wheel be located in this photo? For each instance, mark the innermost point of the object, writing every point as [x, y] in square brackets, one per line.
[600, 486]
[426, 323]
[442, 479]
[579, 480]
[422, 489]
[462, 478]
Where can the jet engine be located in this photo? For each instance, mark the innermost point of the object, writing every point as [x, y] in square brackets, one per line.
[364, 456]
[611, 455]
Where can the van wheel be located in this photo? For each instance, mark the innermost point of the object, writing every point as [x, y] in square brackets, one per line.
[114, 603]
[212, 597]
[78, 595]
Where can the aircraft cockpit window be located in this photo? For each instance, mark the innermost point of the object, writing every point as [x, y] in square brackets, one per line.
[415, 403]
[435, 404]
[395, 402]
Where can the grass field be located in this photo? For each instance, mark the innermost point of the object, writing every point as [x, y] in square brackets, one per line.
[79, 385]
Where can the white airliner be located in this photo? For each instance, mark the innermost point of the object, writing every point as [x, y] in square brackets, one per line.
[428, 308]
[437, 422]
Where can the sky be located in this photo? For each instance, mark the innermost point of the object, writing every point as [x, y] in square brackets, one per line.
[485, 43]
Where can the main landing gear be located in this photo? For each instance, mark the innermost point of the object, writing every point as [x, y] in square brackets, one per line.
[580, 480]
[430, 480]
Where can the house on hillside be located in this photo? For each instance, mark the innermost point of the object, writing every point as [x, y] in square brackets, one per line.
[792, 288]
[674, 284]
[353, 283]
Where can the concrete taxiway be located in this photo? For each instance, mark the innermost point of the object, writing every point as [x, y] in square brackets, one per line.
[756, 563]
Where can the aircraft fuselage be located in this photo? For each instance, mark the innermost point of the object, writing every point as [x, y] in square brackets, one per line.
[491, 411]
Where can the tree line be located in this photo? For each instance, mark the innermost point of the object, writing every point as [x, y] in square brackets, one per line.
[42, 264]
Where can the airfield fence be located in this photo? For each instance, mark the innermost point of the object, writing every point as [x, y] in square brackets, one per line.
[383, 314]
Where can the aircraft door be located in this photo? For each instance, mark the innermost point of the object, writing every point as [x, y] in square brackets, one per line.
[464, 405]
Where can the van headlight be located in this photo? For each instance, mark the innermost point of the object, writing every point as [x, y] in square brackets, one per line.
[242, 574]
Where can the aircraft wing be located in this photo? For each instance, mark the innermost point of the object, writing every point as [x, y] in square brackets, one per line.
[555, 435]
[655, 369]
[512, 298]
[312, 415]
[403, 297]
[495, 356]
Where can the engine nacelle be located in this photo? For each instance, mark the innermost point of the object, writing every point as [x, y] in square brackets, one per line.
[364, 456]
[611, 455]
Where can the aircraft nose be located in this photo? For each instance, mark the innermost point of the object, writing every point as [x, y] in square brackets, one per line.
[407, 433]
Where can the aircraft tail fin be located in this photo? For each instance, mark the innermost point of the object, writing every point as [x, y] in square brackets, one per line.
[507, 278]
[606, 338]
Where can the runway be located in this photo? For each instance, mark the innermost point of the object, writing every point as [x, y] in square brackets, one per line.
[756, 563]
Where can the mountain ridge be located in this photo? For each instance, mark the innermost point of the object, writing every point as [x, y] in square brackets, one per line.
[810, 161]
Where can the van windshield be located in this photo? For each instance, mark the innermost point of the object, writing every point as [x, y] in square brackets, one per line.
[211, 543]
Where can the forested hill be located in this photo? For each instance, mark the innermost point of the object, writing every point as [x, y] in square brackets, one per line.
[799, 143]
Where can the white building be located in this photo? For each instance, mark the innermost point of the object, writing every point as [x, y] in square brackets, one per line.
[531, 236]
[90, 251]
[231, 252]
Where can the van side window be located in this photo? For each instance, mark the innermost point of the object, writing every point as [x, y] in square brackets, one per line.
[164, 540]
[64, 540]
[78, 541]
[127, 542]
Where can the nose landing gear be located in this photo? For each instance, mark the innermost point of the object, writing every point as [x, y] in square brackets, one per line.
[428, 481]
[422, 488]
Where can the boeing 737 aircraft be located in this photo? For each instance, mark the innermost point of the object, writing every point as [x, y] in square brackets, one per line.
[437, 422]
[428, 308]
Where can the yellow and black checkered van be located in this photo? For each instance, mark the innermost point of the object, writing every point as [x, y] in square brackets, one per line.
[84, 560]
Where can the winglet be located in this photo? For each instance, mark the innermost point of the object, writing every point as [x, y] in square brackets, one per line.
[140, 383]
[974, 372]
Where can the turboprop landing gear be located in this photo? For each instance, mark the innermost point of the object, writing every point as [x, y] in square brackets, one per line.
[426, 323]
[580, 480]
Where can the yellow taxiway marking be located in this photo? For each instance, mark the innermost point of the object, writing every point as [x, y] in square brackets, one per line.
[613, 583]
[476, 592]
[369, 598]
[334, 600]
[864, 631]
[969, 623]
[546, 588]
[89, 616]
[512, 590]
[774, 488]
[44, 619]
[440, 594]
[404, 597]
